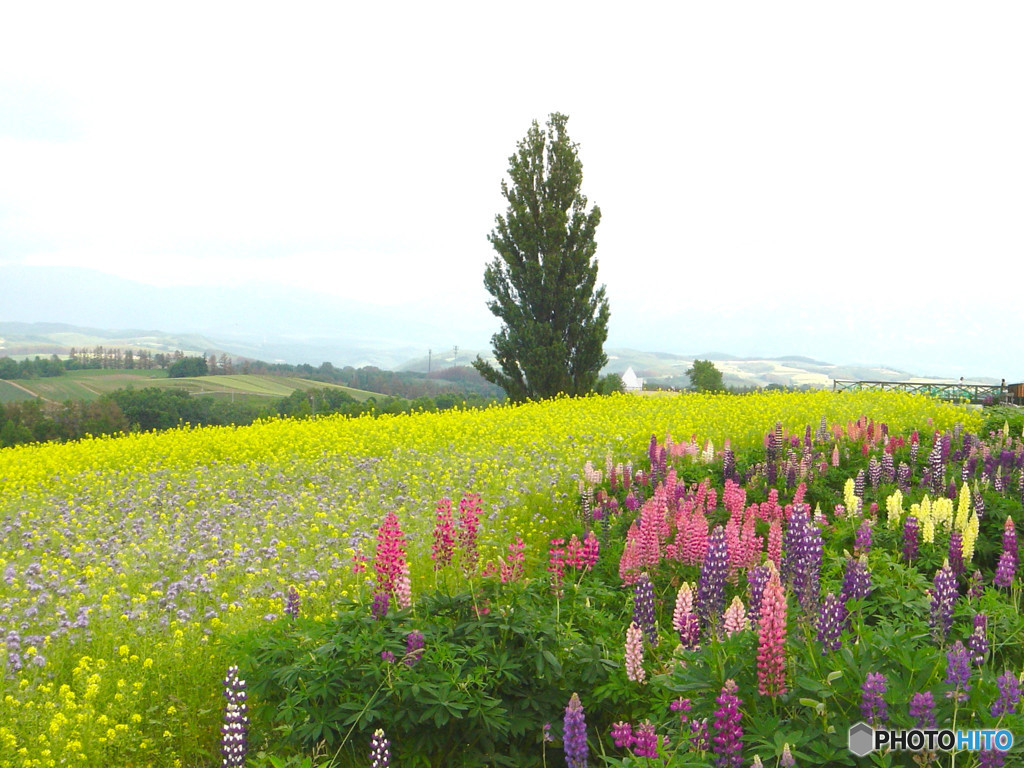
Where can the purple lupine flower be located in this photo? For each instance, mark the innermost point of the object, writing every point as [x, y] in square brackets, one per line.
[387, 656]
[856, 580]
[991, 758]
[956, 552]
[874, 473]
[700, 740]
[888, 468]
[414, 643]
[234, 733]
[726, 741]
[786, 759]
[859, 484]
[975, 586]
[807, 581]
[978, 641]
[645, 740]
[922, 709]
[689, 632]
[380, 750]
[910, 538]
[958, 671]
[862, 541]
[979, 502]
[622, 734]
[291, 604]
[903, 477]
[872, 701]
[379, 607]
[1006, 569]
[830, 623]
[943, 598]
[1009, 695]
[643, 608]
[757, 577]
[711, 584]
[574, 738]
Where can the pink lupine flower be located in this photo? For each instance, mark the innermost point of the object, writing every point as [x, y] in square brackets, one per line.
[591, 550]
[684, 605]
[403, 589]
[444, 535]
[771, 650]
[775, 542]
[635, 654]
[630, 566]
[735, 617]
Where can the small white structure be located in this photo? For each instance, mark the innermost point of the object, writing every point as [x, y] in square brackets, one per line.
[631, 382]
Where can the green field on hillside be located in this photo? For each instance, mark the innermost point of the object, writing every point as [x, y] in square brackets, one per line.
[91, 384]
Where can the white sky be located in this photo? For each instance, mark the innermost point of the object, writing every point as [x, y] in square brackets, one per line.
[853, 167]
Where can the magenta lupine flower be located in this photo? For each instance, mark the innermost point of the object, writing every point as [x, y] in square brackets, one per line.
[622, 734]
[512, 567]
[726, 742]
[922, 709]
[574, 737]
[234, 733]
[469, 527]
[556, 564]
[635, 654]
[389, 561]
[380, 750]
[591, 550]
[978, 641]
[387, 656]
[645, 740]
[443, 548]
[958, 671]
[943, 598]
[872, 701]
[711, 584]
[414, 643]
[1006, 569]
[1009, 695]
[291, 603]
[643, 608]
[910, 538]
[830, 623]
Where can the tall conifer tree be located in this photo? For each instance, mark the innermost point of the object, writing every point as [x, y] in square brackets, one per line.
[543, 279]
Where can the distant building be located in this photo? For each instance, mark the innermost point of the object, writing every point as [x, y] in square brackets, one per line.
[631, 382]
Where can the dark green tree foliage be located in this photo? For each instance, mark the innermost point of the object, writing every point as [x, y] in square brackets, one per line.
[554, 320]
[188, 366]
[704, 377]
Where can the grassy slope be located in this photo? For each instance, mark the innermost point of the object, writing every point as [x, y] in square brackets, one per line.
[89, 385]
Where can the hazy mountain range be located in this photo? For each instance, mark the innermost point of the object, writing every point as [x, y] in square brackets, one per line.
[46, 310]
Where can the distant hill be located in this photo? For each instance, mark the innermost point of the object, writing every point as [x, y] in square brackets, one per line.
[19, 339]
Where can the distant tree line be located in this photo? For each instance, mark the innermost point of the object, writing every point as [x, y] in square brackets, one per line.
[156, 408]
